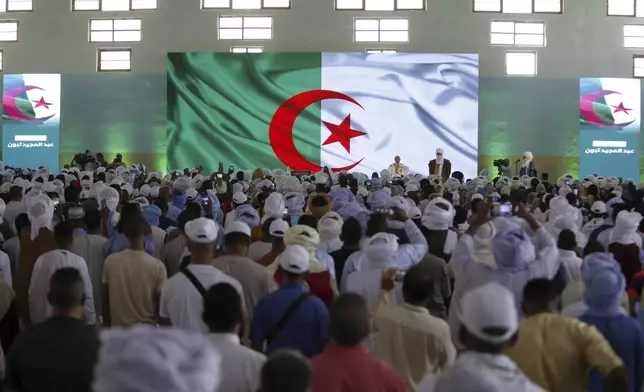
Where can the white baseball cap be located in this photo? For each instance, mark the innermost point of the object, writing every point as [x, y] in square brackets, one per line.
[294, 259]
[278, 228]
[201, 230]
[239, 198]
[598, 207]
[490, 306]
[191, 194]
[237, 227]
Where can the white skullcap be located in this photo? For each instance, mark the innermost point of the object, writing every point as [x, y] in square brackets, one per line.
[75, 213]
[237, 226]
[154, 191]
[294, 259]
[150, 359]
[201, 230]
[321, 179]
[414, 213]
[239, 198]
[142, 201]
[117, 181]
[477, 196]
[278, 228]
[439, 151]
[191, 194]
[238, 187]
[490, 306]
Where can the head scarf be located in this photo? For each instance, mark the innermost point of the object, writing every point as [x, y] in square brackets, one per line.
[321, 210]
[152, 214]
[527, 159]
[110, 196]
[340, 197]
[295, 203]
[330, 225]
[380, 247]
[309, 239]
[604, 284]
[513, 250]
[482, 240]
[247, 214]
[273, 206]
[41, 212]
[625, 228]
[148, 359]
[379, 199]
[437, 218]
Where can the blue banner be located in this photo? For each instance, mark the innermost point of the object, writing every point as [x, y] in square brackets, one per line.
[31, 121]
[609, 127]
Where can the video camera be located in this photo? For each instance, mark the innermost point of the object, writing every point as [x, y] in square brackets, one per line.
[83, 158]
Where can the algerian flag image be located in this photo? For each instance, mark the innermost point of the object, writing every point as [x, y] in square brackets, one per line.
[347, 111]
[610, 103]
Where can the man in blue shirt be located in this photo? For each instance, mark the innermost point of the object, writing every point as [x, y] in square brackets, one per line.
[290, 318]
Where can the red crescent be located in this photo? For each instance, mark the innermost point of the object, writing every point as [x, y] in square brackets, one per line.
[588, 112]
[10, 109]
[280, 132]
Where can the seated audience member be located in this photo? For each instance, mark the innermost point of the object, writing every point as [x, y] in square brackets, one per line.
[350, 236]
[182, 296]
[290, 317]
[277, 230]
[45, 267]
[286, 371]
[605, 285]
[407, 337]
[345, 365]
[489, 325]
[132, 280]
[561, 362]
[59, 354]
[223, 314]
[145, 358]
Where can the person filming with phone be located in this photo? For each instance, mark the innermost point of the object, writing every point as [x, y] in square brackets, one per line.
[508, 257]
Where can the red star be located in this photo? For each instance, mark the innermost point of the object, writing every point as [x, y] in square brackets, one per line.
[342, 133]
[621, 108]
[42, 102]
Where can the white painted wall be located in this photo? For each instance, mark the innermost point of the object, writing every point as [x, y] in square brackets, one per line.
[582, 41]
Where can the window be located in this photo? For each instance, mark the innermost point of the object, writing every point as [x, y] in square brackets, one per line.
[518, 33]
[113, 5]
[381, 30]
[638, 66]
[114, 60]
[8, 31]
[247, 49]
[16, 5]
[382, 51]
[117, 30]
[246, 4]
[518, 6]
[634, 36]
[245, 27]
[380, 5]
[521, 63]
[625, 8]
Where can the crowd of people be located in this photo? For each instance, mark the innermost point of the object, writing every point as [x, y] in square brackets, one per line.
[123, 280]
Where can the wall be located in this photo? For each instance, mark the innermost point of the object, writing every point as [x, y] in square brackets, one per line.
[126, 112]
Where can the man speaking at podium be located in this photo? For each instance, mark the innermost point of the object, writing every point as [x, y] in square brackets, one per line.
[440, 166]
[398, 169]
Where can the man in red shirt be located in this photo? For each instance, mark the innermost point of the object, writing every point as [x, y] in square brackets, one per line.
[346, 366]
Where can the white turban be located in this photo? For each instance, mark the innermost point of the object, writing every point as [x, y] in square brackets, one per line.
[41, 212]
[380, 246]
[330, 225]
[437, 218]
[400, 202]
[111, 198]
[273, 206]
[148, 359]
[626, 225]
